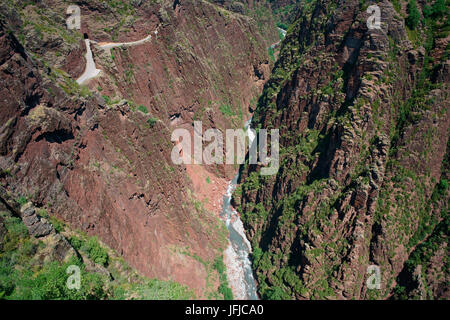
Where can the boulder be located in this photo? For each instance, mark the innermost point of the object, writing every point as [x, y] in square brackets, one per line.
[37, 226]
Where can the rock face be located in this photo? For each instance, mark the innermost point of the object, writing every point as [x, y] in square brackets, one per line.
[99, 159]
[2, 232]
[364, 123]
[285, 10]
[37, 226]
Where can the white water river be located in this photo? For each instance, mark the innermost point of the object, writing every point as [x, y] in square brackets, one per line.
[237, 260]
[284, 35]
[239, 266]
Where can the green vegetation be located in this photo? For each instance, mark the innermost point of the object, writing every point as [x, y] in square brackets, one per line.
[285, 14]
[226, 110]
[276, 293]
[262, 16]
[64, 81]
[142, 109]
[23, 277]
[410, 110]
[152, 121]
[282, 25]
[48, 283]
[439, 9]
[224, 289]
[413, 18]
[107, 99]
[22, 200]
[280, 34]
[57, 224]
[422, 256]
[25, 274]
[271, 54]
[397, 5]
[129, 72]
[92, 248]
[423, 252]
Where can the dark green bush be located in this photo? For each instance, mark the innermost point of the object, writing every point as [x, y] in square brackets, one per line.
[22, 200]
[95, 252]
[92, 248]
[276, 293]
[142, 109]
[439, 9]
[50, 283]
[412, 21]
[224, 289]
[282, 25]
[152, 121]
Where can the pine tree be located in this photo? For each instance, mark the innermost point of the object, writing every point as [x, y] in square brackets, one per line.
[439, 8]
[413, 15]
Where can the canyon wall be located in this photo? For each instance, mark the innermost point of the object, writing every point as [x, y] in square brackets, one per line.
[363, 181]
[97, 156]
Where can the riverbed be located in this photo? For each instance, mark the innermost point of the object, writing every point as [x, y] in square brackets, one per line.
[237, 254]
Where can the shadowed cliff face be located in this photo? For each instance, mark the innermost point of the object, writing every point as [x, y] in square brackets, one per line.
[99, 158]
[364, 122]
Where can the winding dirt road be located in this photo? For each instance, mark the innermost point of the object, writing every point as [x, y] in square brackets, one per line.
[91, 70]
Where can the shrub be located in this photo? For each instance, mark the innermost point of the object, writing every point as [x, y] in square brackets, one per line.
[282, 25]
[223, 287]
[427, 11]
[50, 284]
[96, 252]
[154, 289]
[271, 54]
[412, 21]
[22, 200]
[257, 253]
[76, 242]
[57, 224]
[107, 99]
[219, 265]
[397, 5]
[439, 9]
[23, 277]
[226, 110]
[152, 121]
[226, 291]
[276, 293]
[92, 248]
[16, 228]
[142, 108]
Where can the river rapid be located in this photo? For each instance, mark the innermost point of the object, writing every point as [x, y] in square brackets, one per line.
[237, 254]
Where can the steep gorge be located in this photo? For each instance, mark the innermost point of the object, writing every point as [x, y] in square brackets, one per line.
[364, 125]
